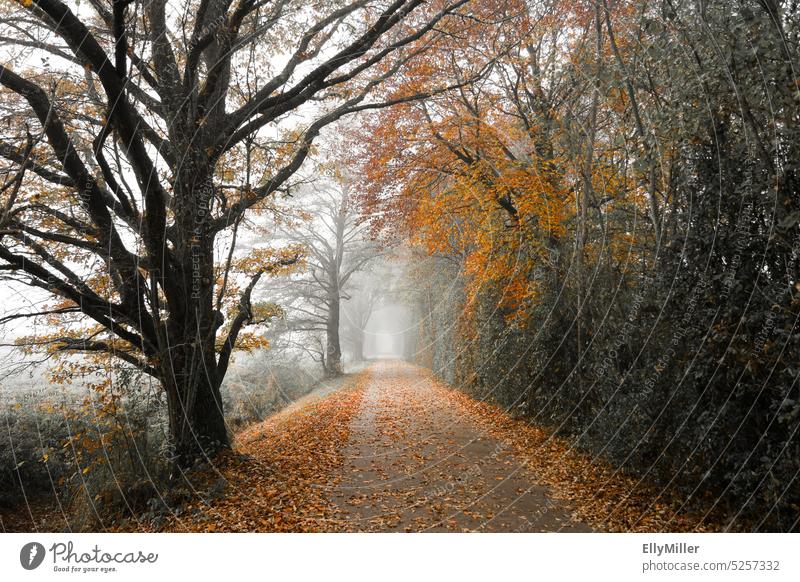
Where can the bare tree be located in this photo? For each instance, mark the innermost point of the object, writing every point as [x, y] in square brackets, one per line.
[336, 247]
[365, 295]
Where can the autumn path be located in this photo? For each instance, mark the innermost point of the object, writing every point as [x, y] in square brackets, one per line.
[387, 449]
[414, 461]
[392, 448]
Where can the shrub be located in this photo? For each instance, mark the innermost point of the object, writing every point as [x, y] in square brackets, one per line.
[100, 446]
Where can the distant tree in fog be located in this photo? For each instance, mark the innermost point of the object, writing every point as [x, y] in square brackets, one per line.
[337, 247]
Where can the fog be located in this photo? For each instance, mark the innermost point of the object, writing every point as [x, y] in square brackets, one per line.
[387, 333]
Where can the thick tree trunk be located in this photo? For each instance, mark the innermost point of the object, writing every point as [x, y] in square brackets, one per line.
[333, 345]
[196, 419]
[189, 361]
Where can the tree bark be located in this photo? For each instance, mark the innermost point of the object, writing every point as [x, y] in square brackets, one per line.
[189, 368]
[196, 420]
[333, 346]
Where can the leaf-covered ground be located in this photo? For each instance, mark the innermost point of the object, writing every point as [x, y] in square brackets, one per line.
[597, 494]
[395, 449]
[416, 461]
[280, 476]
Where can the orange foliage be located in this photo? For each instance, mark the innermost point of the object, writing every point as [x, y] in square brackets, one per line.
[489, 172]
[459, 177]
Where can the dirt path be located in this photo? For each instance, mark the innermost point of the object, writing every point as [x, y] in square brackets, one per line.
[413, 462]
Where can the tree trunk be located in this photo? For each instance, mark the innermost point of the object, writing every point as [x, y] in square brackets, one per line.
[196, 419]
[189, 359]
[358, 348]
[333, 346]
